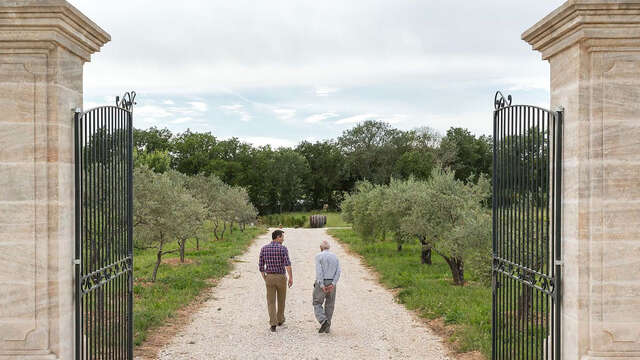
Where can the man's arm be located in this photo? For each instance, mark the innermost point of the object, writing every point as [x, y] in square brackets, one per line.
[287, 265]
[261, 264]
[336, 277]
[319, 272]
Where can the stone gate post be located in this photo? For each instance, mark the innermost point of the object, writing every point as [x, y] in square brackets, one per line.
[593, 47]
[43, 46]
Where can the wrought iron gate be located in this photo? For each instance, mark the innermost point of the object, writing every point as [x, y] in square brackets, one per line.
[104, 231]
[526, 231]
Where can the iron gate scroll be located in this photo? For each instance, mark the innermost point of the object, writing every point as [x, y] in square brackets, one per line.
[104, 231]
[526, 231]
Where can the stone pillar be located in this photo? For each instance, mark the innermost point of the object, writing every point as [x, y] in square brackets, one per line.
[43, 46]
[593, 47]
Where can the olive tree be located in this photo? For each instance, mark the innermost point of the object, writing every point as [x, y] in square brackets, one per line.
[242, 210]
[190, 212]
[364, 209]
[163, 211]
[398, 205]
[450, 213]
[211, 191]
[224, 205]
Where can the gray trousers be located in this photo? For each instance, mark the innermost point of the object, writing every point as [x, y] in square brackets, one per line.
[320, 298]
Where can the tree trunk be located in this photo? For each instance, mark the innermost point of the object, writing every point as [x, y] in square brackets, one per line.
[158, 259]
[155, 268]
[425, 254]
[242, 227]
[457, 269]
[399, 247]
[198, 243]
[182, 244]
[224, 228]
[231, 228]
[524, 302]
[215, 231]
[526, 297]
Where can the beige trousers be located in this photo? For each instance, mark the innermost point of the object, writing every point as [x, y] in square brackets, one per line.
[276, 288]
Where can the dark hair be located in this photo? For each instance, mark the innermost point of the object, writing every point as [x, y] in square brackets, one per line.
[276, 234]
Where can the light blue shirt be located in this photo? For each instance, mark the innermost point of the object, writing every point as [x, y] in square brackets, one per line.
[327, 267]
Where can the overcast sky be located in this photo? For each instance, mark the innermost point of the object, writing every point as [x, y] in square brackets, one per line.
[283, 71]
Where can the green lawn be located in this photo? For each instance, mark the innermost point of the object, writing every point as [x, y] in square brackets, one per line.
[334, 219]
[429, 289]
[177, 285]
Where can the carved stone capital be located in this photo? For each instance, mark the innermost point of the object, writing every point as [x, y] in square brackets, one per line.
[36, 23]
[617, 21]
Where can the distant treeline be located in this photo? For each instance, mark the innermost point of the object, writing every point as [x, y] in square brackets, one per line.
[314, 174]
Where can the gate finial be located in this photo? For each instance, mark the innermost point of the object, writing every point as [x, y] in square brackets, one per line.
[127, 101]
[499, 101]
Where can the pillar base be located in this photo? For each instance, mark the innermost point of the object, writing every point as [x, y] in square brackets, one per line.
[30, 356]
[613, 356]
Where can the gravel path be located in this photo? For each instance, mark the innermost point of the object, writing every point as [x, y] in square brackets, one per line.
[367, 322]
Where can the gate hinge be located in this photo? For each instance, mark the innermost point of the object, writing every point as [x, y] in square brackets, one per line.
[76, 261]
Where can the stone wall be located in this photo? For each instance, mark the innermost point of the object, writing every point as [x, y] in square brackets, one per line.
[40, 85]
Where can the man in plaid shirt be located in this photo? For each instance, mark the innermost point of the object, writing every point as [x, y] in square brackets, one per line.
[274, 260]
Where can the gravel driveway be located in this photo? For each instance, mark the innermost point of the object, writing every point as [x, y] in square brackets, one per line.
[367, 323]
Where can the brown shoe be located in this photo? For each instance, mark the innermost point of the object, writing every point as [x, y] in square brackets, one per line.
[273, 328]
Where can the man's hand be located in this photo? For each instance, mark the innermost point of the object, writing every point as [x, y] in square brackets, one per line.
[264, 275]
[328, 289]
[290, 275]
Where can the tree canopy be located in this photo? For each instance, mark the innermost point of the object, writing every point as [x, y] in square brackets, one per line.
[314, 174]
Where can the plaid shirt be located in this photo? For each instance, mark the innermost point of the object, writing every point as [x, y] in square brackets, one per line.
[273, 258]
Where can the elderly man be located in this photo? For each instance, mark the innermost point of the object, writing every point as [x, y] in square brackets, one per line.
[324, 289]
[274, 259]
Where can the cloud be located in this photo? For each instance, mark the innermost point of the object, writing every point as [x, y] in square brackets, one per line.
[325, 91]
[90, 105]
[315, 118]
[182, 120]
[285, 114]
[357, 119]
[395, 118]
[316, 42]
[524, 83]
[397, 60]
[234, 107]
[152, 111]
[237, 109]
[198, 106]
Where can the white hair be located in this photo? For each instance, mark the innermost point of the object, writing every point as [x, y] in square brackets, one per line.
[324, 245]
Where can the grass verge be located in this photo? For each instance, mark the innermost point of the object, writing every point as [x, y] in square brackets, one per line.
[178, 284]
[428, 289]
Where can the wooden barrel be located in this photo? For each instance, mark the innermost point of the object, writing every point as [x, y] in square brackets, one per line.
[317, 221]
